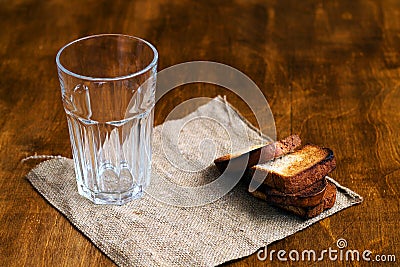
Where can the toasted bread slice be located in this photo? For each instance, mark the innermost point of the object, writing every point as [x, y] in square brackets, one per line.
[296, 171]
[327, 202]
[309, 197]
[257, 154]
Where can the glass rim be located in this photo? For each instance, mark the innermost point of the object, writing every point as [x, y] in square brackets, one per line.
[89, 78]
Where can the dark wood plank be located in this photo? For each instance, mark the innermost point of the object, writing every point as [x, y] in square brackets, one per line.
[329, 69]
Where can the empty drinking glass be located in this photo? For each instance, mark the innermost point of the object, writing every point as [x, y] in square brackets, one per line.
[108, 86]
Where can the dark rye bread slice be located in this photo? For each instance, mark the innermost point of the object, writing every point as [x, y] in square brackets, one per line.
[296, 171]
[308, 197]
[257, 154]
[327, 202]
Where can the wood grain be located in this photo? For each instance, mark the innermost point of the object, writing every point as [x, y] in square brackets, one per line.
[329, 69]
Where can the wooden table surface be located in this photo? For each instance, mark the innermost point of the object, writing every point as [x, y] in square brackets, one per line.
[329, 69]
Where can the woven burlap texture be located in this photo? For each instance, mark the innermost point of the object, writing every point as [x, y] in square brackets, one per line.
[149, 232]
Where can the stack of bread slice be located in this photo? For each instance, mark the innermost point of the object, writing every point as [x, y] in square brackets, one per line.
[294, 176]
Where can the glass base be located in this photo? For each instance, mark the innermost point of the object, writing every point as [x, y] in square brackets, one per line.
[114, 198]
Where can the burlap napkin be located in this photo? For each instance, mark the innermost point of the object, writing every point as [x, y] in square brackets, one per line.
[151, 231]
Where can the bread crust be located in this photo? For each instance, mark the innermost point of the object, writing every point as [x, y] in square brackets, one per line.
[308, 197]
[327, 202]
